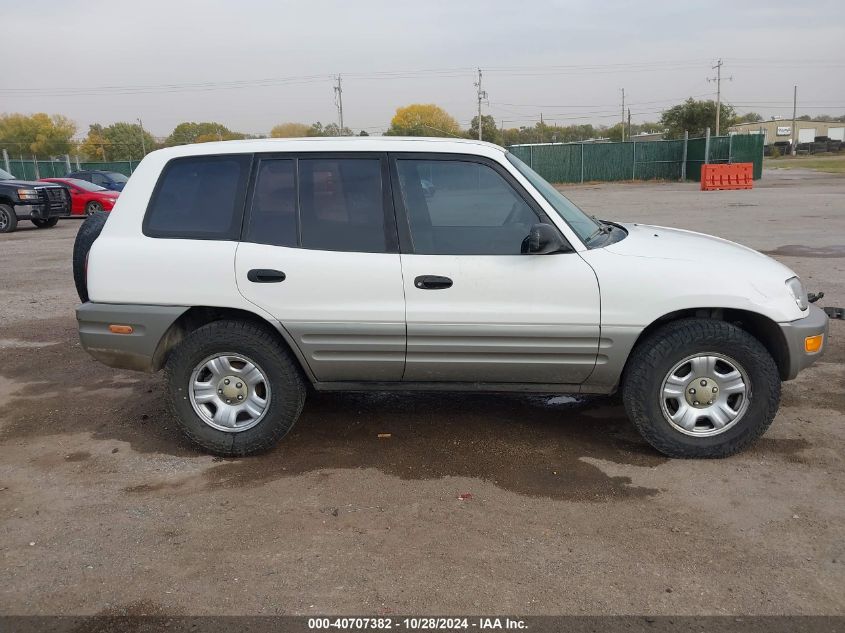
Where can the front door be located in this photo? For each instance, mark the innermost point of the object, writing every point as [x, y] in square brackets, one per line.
[320, 254]
[477, 309]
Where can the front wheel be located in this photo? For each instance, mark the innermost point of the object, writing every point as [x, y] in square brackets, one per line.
[49, 223]
[701, 388]
[233, 388]
[8, 219]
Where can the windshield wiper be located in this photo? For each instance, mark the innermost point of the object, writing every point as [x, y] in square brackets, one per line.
[603, 228]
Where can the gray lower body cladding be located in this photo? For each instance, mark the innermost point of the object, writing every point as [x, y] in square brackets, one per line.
[794, 332]
[135, 351]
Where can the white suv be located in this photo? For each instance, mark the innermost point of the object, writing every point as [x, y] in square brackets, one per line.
[250, 269]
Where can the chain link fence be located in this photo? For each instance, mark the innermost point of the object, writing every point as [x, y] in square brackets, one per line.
[643, 160]
[32, 168]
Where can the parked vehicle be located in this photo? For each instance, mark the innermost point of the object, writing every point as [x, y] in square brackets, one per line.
[42, 203]
[111, 180]
[250, 269]
[86, 197]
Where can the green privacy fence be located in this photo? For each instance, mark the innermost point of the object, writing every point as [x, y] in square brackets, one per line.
[33, 169]
[667, 160]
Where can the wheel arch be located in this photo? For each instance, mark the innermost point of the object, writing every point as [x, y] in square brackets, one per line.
[757, 325]
[198, 316]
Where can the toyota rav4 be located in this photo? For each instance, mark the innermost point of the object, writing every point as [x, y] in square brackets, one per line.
[248, 270]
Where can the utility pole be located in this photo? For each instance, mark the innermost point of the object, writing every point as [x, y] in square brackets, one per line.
[143, 144]
[623, 115]
[338, 99]
[481, 95]
[794, 119]
[629, 124]
[718, 80]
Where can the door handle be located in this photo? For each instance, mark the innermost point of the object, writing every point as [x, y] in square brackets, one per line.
[265, 276]
[432, 282]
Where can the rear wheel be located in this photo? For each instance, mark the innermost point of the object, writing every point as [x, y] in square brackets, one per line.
[93, 207]
[701, 388]
[233, 388]
[49, 223]
[8, 219]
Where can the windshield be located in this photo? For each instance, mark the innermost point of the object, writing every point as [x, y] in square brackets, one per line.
[84, 184]
[578, 221]
[4, 175]
[117, 176]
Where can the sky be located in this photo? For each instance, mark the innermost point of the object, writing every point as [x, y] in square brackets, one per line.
[250, 64]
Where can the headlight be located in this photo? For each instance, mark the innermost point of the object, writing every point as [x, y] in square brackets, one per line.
[798, 292]
[27, 194]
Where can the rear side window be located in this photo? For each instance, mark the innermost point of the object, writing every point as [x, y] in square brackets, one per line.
[334, 204]
[199, 198]
[341, 205]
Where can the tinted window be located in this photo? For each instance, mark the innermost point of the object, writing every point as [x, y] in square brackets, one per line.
[99, 179]
[462, 208]
[199, 198]
[341, 205]
[273, 215]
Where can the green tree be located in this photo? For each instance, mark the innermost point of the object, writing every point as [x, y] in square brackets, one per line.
[190, 132]
[748, 117]
[423, 119]
[695, 117]
[118, 141]
[289, 130]
[489, 131]
[331, 129]
[39, 134]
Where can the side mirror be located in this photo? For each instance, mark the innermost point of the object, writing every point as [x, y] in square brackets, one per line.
[542, 240]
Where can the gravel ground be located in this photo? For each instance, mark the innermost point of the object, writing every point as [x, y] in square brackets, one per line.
[105, 509]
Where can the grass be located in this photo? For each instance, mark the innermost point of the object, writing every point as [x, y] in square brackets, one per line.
[832, 164]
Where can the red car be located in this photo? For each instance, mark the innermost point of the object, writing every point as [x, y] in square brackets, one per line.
[86, 197]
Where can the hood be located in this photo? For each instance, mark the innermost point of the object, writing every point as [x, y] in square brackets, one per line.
[114, 195]
[660, 242]
[30, 184]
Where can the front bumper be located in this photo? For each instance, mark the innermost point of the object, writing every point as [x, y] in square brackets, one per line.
[796, 332]
[136, 350]
[40, 211]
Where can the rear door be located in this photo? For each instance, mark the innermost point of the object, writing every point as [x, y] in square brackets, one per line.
[320, 253]
[477, 309]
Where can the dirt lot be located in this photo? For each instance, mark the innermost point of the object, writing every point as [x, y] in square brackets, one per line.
[105, 509]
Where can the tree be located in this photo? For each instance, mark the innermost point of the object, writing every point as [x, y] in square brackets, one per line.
[695, 117]
[289, 130]
[423, 119]
[39, 134]
[204, 132]
[331, 129]
[118, 141]
[489, 131]
[748, 117]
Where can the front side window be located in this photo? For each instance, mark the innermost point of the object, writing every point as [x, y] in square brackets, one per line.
[116, 176]
[458, 207]
[579, 221]
[199, 197]
[99, 179]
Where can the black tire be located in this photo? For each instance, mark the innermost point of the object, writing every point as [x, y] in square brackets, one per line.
[49, 223]
[93, 207]
[85, 237]
[653, 359]
[262, 346]
[8, 219]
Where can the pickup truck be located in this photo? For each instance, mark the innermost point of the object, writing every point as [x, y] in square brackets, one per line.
[42, 203]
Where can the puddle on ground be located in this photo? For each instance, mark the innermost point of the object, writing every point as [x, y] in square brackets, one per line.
[520, 443]
[797, 250]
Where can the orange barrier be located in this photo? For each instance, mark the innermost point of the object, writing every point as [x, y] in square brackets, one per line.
[727, 176]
